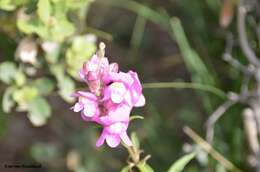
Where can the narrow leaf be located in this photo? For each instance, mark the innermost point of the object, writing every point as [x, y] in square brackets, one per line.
[143, 167]
[179, 165]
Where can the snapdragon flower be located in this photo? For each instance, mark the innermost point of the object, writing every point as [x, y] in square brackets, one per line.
[112, 96]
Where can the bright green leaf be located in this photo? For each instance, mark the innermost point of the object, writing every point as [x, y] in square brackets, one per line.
[65, 84]
[39, 111]
[44, 85]
[58, 71]
[61, 30]
[7, 72]
[7, 5]
[67, 88]
[20, 78]
[33, 26]
[8, 102]
[44, 11]
[179, 165]
[25, 94]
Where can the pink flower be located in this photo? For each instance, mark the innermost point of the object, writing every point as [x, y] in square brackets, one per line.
[124, 88]
[112, 96]
[113, 134]
[93, 71]
[87, 104]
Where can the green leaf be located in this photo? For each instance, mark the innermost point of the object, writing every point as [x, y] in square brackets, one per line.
[8, 102]
[20, 78]
[7, 5]
[179, 165]
[25, 95]
[44, 11]
[143, 167]
[62, 29]
[194, 63]
[7, 72]
[39, 111]
[58, 71]
[44, 85]
[67, 88]
[33, 26]
[65, 84]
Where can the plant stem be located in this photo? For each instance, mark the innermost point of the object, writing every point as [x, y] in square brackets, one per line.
[186, 85]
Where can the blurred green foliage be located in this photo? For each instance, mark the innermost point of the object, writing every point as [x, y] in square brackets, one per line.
[49, 29]
[44, 43]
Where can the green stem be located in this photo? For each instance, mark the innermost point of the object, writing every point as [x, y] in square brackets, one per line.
[186, 85]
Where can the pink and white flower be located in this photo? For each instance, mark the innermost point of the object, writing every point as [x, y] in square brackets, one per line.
[124, 88]
[112, 96]
[87, 104]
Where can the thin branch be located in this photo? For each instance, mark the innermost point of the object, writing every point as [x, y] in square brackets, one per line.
[236, 64]
[215, 116]
[249, 53]
[210, 150]
[250, 124]
[251, 130]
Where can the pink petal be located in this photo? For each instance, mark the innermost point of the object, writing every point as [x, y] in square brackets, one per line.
[128, 98]
[126, 78]
[113, 67]
[84, 117]
[135, 75]
[101, 139]
[77, 107]
[117, 128]
[141, 101]
[92, 75]
[105, 120]
[126, 139]
[120, 113]
[117, 92]
[112, 140]
[92, 65]
[82, 74]
[112, 76]
[106, 94]
[89, 109]
[86, 94]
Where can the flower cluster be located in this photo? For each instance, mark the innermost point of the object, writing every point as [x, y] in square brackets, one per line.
[112, 96]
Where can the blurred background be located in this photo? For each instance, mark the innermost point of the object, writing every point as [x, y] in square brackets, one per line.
[44, 43]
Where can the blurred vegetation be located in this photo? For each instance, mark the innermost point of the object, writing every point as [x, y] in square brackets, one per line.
[43, 44]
